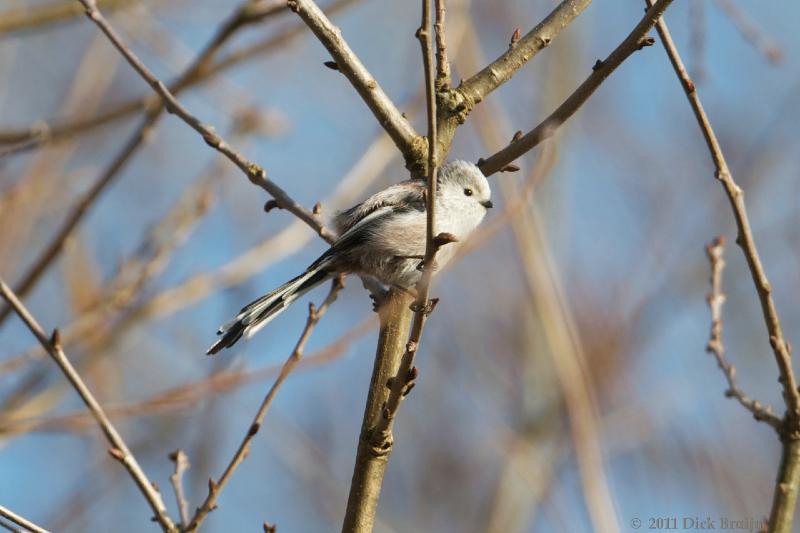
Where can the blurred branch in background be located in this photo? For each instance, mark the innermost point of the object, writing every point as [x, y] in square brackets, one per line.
[244, 15]
[41, 133]
[40, 17]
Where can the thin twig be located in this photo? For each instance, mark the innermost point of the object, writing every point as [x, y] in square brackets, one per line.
[20, 521]
[745, 234]
[399, 129]
[254, 172]
[715, 346]
[504, 67]
[119, 450]
[181, 461]
[442, 63]
[635, 40]
[242, 16]
[215, 487]
[788, 480]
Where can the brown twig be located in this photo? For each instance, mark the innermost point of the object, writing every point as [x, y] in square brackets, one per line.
[242, 16]
[715, 346]
[476, 88]
[21, 521]
[254, 172]
[399, 129]
[635, 40]
[216, 486]
[786, 487]
[119, 450]
[442, 63]
[745, 234]
[181, 461]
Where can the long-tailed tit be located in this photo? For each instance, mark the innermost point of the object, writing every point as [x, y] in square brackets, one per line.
[383, 237]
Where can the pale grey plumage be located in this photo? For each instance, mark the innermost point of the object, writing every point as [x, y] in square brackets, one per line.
[383, 237]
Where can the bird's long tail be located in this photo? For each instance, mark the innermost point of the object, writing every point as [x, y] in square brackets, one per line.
[259, 313]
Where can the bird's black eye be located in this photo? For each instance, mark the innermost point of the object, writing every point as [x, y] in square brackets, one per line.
[468, 192]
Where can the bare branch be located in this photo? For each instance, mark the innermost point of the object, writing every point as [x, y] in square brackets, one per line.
[215, 487]
[504, 67]
[399, 129]
[786, 486]
[376, 441]
[635, 40]
[442, 63]
[20, 521]
[119, 450]
[254, 172]
[181, 461]
[247, 13]
[745, 234]
[715, 346]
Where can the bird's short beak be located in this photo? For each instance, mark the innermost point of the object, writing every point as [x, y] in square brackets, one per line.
[487, 204]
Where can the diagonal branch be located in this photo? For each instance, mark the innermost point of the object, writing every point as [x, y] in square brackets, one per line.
[635, 40]
[254, 172]
[504, 67]
[399, 129]
[715, 346]
[119, 450]
[215, 487]
[21, 521]
[247, 13]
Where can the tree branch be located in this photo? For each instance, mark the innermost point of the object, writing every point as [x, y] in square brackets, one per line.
[215, 487]
[715, 346]
[247, 13]
[504, 67]
[399, 129]
[34, 17]
[119, 450]
[21, 521]
[181, 461]
[254, 172]
[442, 63]
[745, 237]
[376, 431]
[786, 486]
[635, 40]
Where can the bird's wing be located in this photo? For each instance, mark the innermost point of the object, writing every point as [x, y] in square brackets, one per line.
[404, 196]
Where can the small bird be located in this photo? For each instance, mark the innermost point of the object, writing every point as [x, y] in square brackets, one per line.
[383, 237]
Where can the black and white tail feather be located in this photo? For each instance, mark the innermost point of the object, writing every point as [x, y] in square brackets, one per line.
[259, 313]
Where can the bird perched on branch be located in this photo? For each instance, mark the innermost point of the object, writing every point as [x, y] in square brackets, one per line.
[383, 237]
